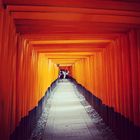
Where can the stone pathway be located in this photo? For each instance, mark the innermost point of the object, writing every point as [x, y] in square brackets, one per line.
[68, 119]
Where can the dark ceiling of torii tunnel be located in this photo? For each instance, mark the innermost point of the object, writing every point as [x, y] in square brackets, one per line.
[52, 26]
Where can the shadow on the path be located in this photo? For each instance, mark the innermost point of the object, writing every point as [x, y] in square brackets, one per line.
[28, 123]
[121, 126]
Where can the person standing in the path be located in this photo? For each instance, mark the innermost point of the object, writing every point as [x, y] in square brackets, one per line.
[64, 74]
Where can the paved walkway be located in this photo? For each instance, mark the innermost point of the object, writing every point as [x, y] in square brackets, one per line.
[68, 119]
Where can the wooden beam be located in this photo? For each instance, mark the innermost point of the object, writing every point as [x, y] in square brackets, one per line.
[66, 50]
[66, 57]
[69, 30]
[117, 5]
[14, 8]
[105, 18]
[69, 53]
[36, 37]
[49, 42]
[69, 46]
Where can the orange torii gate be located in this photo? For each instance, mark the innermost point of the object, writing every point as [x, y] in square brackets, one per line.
[100, 42]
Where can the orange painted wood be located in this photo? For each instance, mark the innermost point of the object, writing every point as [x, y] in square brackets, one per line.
[118, 5]
[102, 49]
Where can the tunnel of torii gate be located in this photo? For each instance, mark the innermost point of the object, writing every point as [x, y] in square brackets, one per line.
[97, 41]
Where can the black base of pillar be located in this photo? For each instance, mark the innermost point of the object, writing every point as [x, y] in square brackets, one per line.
[28, 123]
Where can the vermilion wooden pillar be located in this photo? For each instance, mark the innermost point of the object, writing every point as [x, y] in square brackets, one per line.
[8, 40]
[25, 75]
[116, 75]
[134, 75]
